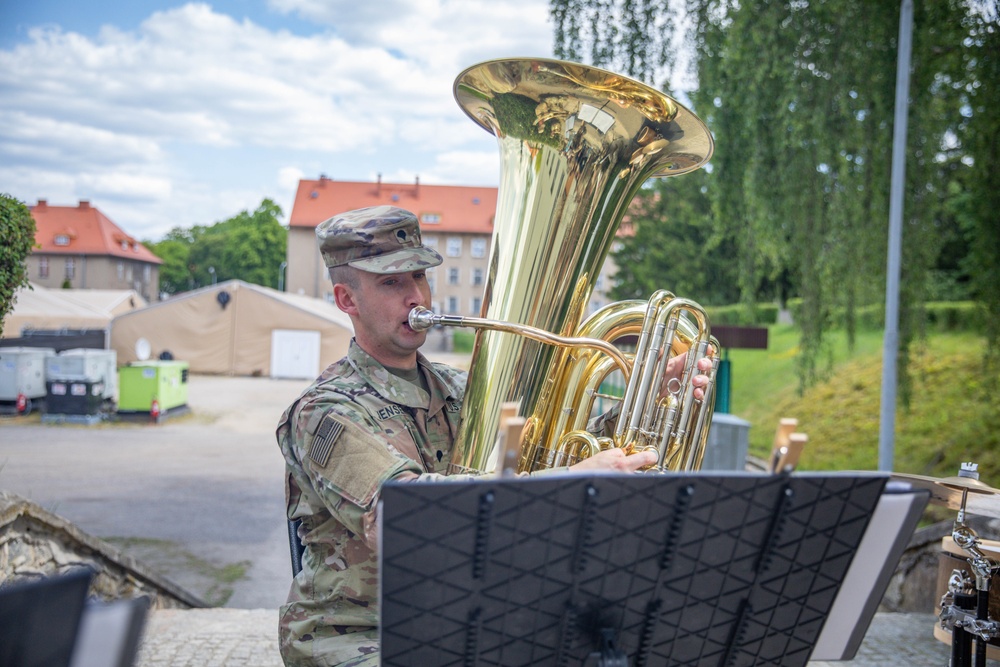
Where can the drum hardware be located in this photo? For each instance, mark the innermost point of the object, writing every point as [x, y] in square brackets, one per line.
[965, 605]
[957, 492]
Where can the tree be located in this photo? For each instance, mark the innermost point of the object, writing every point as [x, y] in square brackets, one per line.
[800, 98]
[672, 245]
[248, 246]
[174, 249]
[17, 229]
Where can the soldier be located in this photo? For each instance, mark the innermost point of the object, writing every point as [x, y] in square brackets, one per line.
[382, 412]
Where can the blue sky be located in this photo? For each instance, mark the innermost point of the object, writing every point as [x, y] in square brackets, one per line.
[170, 114]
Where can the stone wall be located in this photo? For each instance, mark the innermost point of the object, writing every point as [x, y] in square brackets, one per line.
[35, 543]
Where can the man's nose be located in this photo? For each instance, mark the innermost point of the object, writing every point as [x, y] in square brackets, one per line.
[414, 297]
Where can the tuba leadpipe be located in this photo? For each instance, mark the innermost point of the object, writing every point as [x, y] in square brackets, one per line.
[576, 144]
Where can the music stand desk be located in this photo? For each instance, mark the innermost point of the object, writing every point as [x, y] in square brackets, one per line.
[622, 569]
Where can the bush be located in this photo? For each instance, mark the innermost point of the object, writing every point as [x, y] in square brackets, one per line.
[939, 316]
[737, 314]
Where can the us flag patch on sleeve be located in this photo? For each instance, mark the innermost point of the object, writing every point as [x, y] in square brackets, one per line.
[322, 445]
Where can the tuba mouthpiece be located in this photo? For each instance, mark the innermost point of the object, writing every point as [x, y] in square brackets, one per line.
[421, 319]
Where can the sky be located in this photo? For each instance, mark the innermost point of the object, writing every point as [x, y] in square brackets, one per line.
[173, 114]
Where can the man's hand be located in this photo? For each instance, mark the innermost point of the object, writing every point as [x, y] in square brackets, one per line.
[675, 367]
[617, 460]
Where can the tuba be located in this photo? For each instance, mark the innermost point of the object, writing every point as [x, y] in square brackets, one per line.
[576, 144]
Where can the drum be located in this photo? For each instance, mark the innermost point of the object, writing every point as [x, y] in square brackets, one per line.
[953, 558]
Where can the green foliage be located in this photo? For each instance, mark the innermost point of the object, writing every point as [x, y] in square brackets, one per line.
[463, 341]
[800, 98]
[17, 229]
[249, 246]
[673, 246]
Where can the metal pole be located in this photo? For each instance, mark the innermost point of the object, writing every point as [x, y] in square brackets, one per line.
[890, 343]
[281, 276]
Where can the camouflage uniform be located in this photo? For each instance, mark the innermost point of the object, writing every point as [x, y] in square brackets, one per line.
[352, 430]
[355, 428]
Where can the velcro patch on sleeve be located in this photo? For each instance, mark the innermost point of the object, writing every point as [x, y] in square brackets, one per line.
[351, 460]
[326, 435]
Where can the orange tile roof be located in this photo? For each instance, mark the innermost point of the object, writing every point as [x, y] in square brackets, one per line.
[459, 208]
[84, 230]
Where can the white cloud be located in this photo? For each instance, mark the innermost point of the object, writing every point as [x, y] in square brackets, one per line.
[188, 118]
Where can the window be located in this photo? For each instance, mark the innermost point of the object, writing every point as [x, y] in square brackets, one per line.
[453, 276]
[62, 239]
[121, 271]
[478, 248]
[128, 273]
[431, 280]
[146, 274]
[454, 246]
[477, 277]
[477, 305]
[43, 267]
[430, 241]
[70, 268]
[430, 218]
[453, 305]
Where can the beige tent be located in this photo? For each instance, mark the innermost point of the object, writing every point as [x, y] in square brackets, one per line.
[235, 328]
[44, 308]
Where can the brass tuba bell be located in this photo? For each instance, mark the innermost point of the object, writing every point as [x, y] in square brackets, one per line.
[576, 144]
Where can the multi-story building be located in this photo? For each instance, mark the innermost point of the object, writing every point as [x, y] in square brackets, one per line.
[456, 220]
[79, 247]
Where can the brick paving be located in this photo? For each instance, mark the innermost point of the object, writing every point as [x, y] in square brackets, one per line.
[248, 638]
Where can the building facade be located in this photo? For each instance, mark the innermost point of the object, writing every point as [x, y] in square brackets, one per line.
[79, 247]
[456, 220]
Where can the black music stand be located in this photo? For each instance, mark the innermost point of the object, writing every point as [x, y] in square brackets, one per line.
[617, 570]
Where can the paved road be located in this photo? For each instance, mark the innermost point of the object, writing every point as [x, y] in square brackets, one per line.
[191, 495]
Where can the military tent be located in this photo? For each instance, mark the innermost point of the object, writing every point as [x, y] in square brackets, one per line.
[41, 308]
[235, 328]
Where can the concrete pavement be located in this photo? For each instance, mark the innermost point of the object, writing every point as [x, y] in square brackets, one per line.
[248, 638]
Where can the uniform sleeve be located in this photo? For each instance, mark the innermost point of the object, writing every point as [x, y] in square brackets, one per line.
[346, 461]
[604, 425]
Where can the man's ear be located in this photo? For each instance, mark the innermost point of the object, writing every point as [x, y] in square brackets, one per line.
[343, 296]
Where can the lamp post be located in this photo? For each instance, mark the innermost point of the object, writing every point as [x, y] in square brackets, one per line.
[211, 270]
[281, 276]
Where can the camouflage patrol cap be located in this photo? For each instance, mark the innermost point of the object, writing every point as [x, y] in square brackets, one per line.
[378, 239]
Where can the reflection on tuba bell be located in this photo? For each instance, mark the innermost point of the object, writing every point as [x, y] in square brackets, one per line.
[576, 144]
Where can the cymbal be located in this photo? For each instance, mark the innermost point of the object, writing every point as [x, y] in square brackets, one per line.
[981, 499]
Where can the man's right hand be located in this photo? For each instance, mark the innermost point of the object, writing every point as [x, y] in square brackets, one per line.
[617, 460]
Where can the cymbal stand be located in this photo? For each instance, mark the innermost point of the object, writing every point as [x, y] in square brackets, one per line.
[966, 613]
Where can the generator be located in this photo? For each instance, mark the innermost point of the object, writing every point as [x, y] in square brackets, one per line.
[143, 382]
[96, 367]
[22, 376]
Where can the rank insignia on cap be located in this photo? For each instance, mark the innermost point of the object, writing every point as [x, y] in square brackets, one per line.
[327, 434]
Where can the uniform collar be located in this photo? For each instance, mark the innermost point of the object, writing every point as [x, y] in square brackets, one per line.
[395, 390]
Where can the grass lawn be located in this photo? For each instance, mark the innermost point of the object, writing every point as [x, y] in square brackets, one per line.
[952, 416]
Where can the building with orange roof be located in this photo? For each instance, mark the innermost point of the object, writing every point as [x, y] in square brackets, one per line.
[80, 247]
[456, 220]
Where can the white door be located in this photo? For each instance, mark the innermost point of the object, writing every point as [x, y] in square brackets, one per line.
[294, 354]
